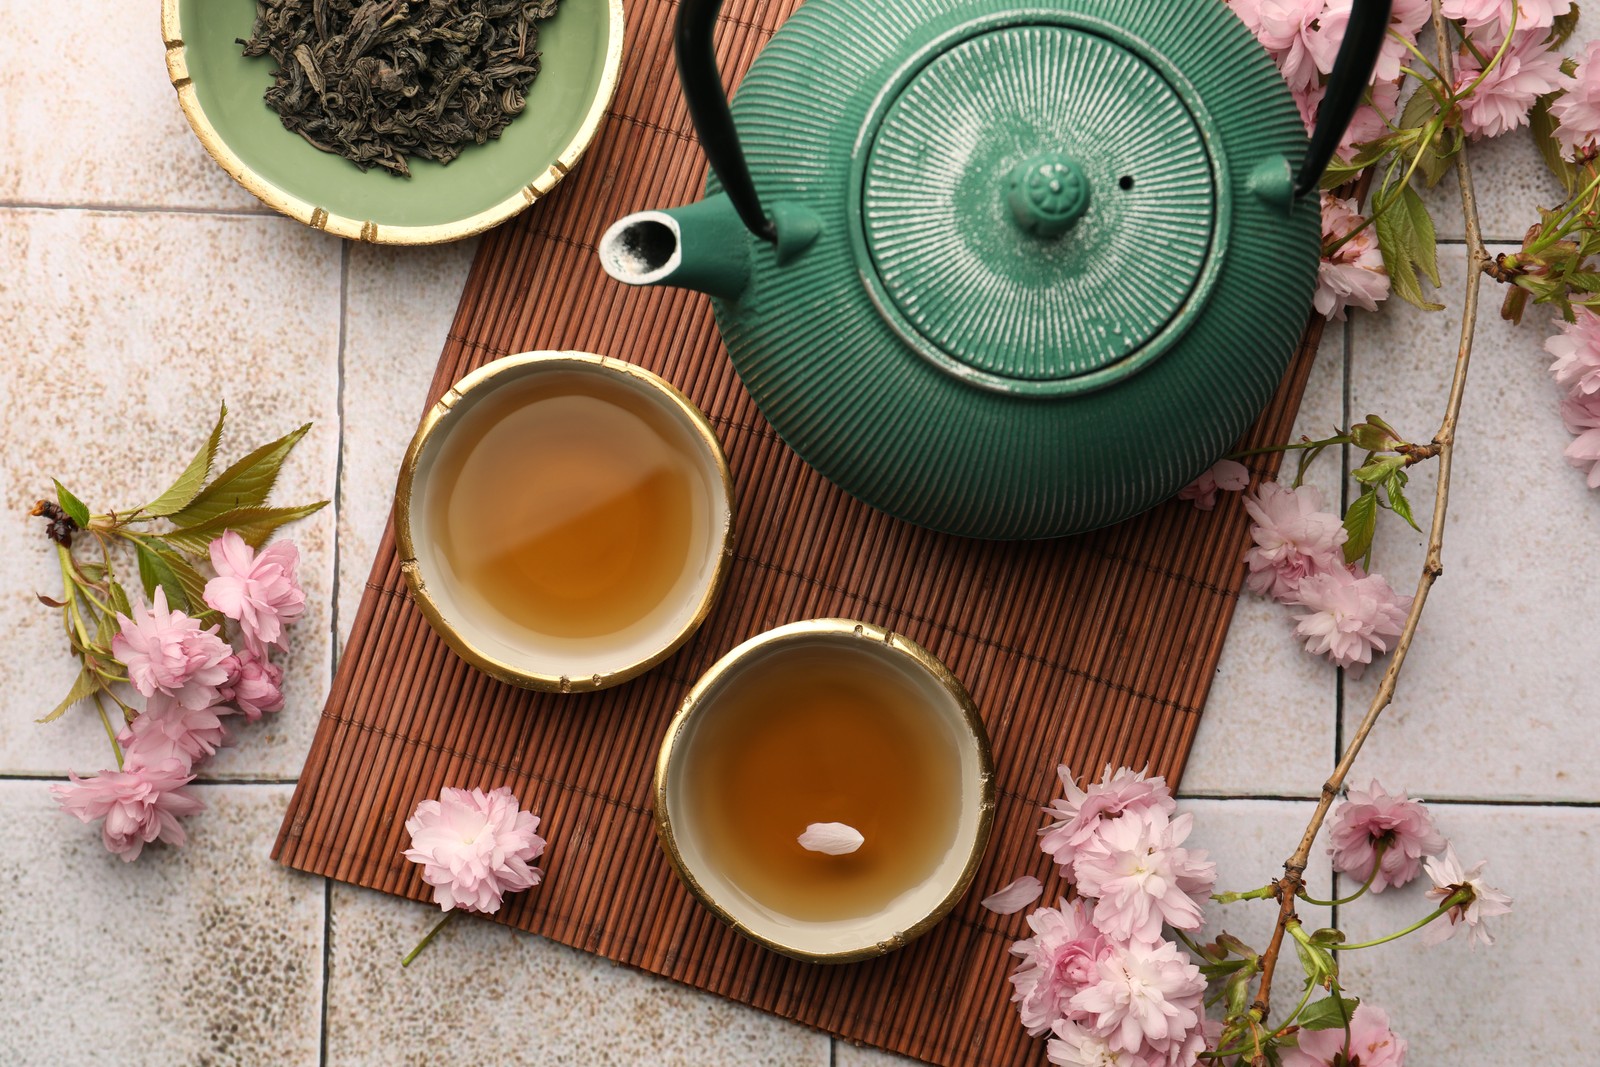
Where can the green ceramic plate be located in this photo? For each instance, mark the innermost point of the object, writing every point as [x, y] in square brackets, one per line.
[221, 93]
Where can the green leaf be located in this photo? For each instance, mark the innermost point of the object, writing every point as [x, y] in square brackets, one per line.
[82, 689]
[1394, 489]
[1328, 937]
[1377, 469]
[1320, 966]
[190, 580]
[1361, 522]
[119, 600]
[255, 525]
[1406, 238]
[246, 484]
[75, 509]
[1542, 125]
[1329, 1013]
[1561, 28]
[183, 491]
[1238, 992]
[155, 571]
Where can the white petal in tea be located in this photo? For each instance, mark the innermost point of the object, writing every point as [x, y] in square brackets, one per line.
[834, 838]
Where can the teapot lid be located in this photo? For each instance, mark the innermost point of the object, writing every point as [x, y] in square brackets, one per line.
[1036, 207]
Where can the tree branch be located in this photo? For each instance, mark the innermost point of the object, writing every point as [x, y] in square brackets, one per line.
[1293, 879]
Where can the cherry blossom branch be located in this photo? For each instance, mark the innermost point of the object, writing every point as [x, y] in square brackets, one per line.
[1293, 880]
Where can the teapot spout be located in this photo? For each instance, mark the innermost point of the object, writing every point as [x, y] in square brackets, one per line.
[701, 246]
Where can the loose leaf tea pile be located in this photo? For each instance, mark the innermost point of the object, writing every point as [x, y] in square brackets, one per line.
[377, 81]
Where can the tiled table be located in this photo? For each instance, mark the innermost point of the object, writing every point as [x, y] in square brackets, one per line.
[139, 286]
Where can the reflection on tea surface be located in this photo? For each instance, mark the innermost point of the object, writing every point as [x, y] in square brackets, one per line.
[568, 503]
[816, 734]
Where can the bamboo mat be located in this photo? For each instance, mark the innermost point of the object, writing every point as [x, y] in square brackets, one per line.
[1093, 650]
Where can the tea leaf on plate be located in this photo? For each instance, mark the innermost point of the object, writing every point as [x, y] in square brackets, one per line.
[82, 689]
[179, 495]
[255, 525]
[75, 508]
[246, 484]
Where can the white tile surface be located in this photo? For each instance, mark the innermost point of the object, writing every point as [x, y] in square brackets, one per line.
[124, 333]
[209, 954]
[488, 994]
[1496, 697]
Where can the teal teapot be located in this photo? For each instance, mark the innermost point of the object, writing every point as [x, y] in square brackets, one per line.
[1004, 271]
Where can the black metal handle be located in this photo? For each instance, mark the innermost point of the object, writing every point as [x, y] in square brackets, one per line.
[1352, 70]
[708, 108]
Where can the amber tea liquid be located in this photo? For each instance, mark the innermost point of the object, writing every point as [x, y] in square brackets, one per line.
[822, 734]
[572, 505]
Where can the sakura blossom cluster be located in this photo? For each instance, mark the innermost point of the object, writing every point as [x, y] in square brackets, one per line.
[1097, 975]
[1577, 371]
[192, 679]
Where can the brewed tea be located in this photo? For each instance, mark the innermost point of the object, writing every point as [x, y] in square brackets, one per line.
[572, 505]
[816, 734]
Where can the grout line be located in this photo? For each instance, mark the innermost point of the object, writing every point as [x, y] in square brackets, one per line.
[133, 209]
[1347, 405]
[327, 968]
[833, 1051]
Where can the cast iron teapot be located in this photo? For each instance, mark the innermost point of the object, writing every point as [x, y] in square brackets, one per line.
[1004, 271]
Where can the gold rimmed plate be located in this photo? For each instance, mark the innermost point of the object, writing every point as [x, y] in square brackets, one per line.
[221, 93]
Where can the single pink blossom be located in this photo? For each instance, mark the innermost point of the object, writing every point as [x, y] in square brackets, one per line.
[254, 684]
[1294, 538]
[167, 652]
[1352, 275]
[1496, 14]
[256, 589]
[1482, 900]
[1582, 417]
[474, 847]
[1073, 1045]
[1371, 1043]
[1148, 996]
[1014, 896]
[1302, 35]
[1501, 102]
[1348, 616]
[1143, 877]
[1371, 818]
[139, 804]
[1577, 111]
[1577, 352]
[1081, 814]
[167, 731]
[1058, 961]
[1227, 475]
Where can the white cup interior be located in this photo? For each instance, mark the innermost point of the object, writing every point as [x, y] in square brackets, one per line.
[904, 917]
[482, 632]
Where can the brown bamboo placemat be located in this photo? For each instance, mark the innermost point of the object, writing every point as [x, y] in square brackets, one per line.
[1093, 650]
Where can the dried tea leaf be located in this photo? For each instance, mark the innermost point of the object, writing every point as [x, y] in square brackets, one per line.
[378, 81]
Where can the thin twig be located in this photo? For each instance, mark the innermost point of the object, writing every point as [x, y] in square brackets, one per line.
[1293, 879]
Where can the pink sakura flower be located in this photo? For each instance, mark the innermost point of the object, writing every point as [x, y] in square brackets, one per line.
[256, 589]
[167, 652]
[1372, 817]
[1147, 998]
[1058, 961]
[1294, 538]
[1014, 896]
[1577, 352]
[1352, 275]
[1143, 877]
[1074, 1046]
[139, 804]
[1582, 417]
[1349, 615]
[1482, 902]
[1225, 474]
[474, 847]
[254, 684]
[1577, 111]
[1531, 15]
[1302, 35]
[1372, 1044]
[1502, 101]
[167, 731]
[1081, 814]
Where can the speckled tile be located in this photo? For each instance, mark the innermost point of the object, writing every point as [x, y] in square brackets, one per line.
[1497, 697]
[1529, 998]
[399, 307]
[1269, 719]
[124, 332]
[107, 132]
[210, 954]
[480, 990]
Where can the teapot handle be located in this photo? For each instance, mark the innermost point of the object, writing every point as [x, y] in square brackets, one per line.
[694, 44]
[1352, 71]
